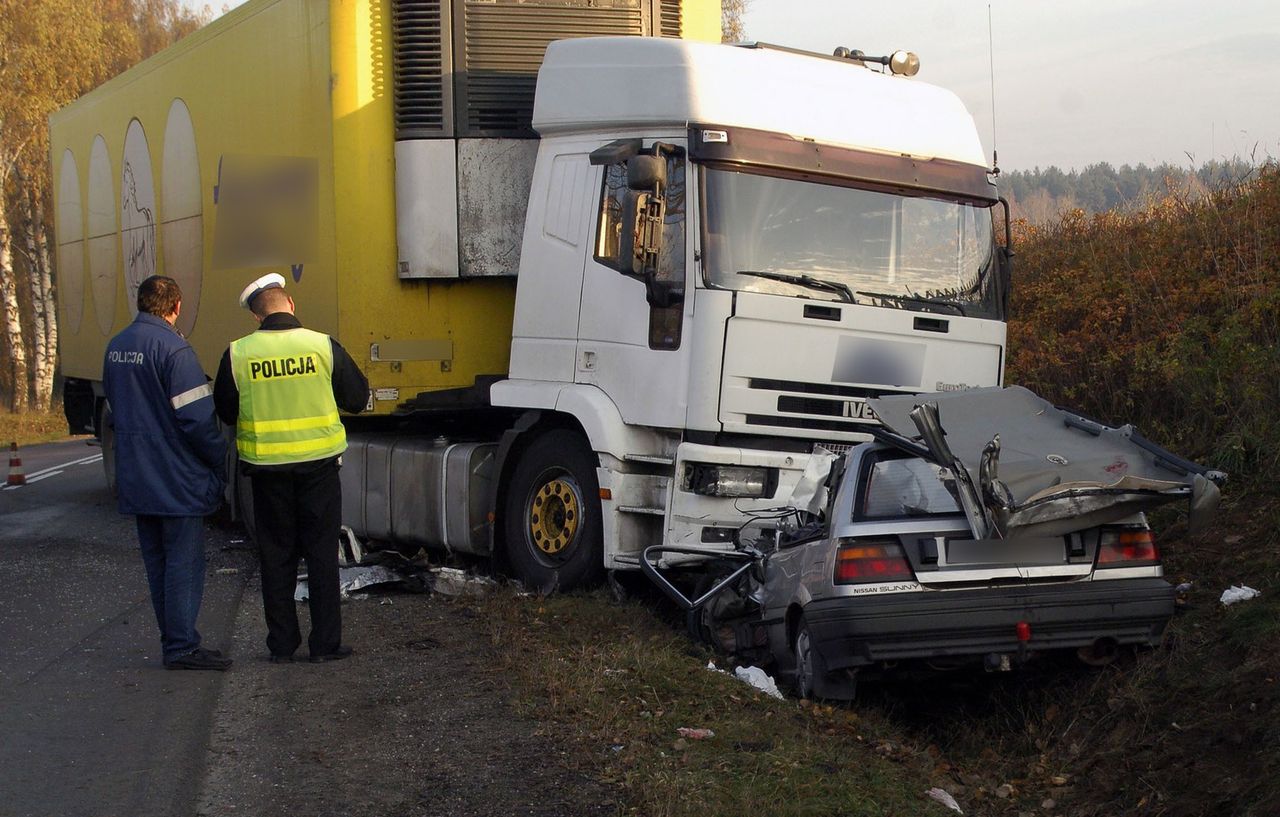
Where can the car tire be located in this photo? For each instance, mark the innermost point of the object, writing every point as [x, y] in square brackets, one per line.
[552, 517]
[806, 662]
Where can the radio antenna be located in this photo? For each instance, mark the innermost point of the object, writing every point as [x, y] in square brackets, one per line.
[991, 56]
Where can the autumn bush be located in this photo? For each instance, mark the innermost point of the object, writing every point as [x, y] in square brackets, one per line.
[1167, 316]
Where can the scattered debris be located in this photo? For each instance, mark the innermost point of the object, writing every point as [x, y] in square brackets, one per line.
[1238, 593]
[351, 579]
[759, 679]
[695, 734]
[450, 581]
[943, 797]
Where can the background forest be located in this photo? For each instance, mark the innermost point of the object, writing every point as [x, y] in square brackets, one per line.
[51, 52]
[1144, 294]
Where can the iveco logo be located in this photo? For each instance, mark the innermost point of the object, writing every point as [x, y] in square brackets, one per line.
[858, 410]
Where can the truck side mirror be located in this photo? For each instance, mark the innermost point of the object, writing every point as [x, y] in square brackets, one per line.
[647, 173]
[1004, 261]
[663, 294]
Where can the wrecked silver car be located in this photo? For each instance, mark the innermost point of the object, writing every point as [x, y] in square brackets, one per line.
[980, 526]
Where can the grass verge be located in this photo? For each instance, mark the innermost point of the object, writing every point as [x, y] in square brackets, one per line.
[1192, 728]
[620, 683]
[31, 427]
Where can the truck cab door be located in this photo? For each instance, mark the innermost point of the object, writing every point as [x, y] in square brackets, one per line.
[631, 344]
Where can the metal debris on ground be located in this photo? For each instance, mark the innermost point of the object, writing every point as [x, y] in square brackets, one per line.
[1238, 593]
[450, 581]
[361, 568]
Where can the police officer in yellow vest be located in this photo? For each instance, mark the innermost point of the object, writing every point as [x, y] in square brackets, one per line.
[281, 387]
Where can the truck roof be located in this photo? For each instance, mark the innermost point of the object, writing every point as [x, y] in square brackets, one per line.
[616, 82]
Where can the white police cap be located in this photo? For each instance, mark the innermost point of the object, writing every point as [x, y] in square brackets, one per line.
[271, 280]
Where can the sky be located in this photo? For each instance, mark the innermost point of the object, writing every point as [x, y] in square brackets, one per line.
[1079, 82]
[1076, 83]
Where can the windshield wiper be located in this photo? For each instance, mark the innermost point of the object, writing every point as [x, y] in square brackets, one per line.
[809, 281]
[914, 299]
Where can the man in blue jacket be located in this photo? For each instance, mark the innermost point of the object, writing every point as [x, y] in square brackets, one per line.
[170, 457]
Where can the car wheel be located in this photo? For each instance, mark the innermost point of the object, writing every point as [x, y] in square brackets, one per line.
[552, 521]
[806, 664]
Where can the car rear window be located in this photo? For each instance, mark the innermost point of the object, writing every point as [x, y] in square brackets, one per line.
[906, 487]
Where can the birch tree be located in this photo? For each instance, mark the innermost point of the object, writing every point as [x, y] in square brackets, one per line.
[52, 51]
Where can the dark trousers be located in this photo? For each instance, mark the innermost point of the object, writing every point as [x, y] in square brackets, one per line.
[297, 514]
[173, 552]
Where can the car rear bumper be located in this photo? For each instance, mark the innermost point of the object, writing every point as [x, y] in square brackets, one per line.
[861, 630]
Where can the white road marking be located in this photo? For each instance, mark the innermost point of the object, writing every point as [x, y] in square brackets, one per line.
[54, 470]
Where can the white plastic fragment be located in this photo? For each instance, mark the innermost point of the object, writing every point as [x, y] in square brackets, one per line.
[943, 797]
[1238, 593]
[695, 734]
[759, 679]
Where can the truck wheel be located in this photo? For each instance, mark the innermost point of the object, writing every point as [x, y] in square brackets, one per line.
[107, 437]
[553, 534]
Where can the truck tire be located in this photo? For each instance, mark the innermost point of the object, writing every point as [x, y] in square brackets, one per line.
[552, 518]
[107, 437]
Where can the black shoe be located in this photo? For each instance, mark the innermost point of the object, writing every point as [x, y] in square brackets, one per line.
[199, 659]
[336, 655]
[280, 659]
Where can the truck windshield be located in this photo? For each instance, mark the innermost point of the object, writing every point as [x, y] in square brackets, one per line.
[778, 235]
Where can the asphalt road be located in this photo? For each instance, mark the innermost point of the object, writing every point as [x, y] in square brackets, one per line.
[90, 722]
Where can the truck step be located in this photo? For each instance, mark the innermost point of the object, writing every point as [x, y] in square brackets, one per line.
[649, 459]
[643, 510]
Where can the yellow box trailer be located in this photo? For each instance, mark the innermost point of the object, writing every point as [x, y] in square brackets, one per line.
[267, 141]
[722, 252]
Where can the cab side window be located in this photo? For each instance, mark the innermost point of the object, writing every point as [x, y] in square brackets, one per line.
[664, 322]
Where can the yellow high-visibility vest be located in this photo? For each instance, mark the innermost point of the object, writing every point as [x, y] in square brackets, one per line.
[287, 410]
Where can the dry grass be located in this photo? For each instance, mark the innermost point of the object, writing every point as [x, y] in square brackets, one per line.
[621, 682]
[32, 427]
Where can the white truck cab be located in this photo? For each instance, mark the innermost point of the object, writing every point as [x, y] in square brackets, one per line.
[727, 251]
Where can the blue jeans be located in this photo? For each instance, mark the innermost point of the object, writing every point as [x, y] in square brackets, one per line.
[173, 552]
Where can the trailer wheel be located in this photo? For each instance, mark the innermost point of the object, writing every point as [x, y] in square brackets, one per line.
[553, 533]
[107, 438]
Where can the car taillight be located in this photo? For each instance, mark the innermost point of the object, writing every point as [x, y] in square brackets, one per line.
[858, 562]
[1121, 548]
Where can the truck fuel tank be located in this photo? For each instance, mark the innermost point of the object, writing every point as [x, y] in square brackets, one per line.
[418, 491]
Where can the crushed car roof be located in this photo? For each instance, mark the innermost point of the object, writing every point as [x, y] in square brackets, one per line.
[1016, 462]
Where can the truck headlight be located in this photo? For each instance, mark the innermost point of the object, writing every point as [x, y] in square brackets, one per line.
[708, 479]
